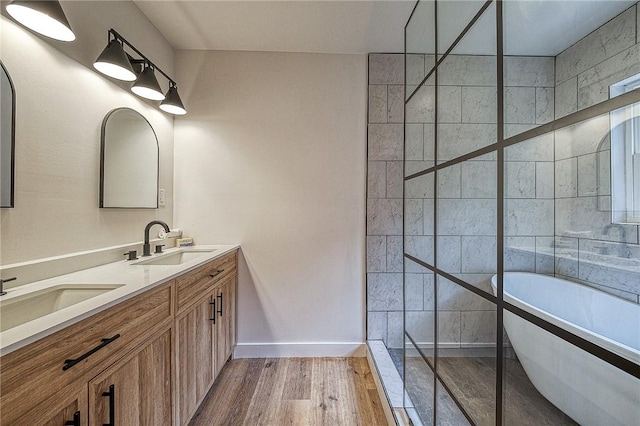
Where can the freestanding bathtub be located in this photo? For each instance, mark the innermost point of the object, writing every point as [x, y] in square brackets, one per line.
[589, 390]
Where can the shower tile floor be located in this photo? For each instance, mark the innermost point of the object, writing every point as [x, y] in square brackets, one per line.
[472, 381]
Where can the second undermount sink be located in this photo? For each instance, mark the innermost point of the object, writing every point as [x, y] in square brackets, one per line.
[177, 257]
[22, 309]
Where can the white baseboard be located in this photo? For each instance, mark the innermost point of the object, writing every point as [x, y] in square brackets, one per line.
[299, 350]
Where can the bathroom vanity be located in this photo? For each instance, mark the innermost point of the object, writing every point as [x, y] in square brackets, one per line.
[146, 357]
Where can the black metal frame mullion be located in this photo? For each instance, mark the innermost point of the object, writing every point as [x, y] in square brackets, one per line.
[435, 214]
[499, 213]
[404, 156]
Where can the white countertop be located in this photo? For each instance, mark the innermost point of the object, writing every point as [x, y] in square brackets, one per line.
[134, 279]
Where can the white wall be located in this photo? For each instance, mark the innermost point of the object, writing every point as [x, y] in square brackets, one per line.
[60, 107]
[272, 156]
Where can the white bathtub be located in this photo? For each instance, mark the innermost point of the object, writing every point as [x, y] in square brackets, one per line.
[587, 389]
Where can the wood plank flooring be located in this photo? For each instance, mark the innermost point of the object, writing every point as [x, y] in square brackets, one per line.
[293, 391]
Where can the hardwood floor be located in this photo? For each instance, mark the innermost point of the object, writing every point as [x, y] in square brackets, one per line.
[293, 391]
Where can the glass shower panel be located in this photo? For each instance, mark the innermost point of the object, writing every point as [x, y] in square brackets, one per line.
[529, 70]
[419, 385]
[467, 97]
[453, 17]
[466, 354]
[419, 129]
[590, 246]
[523, 404]
[419, 147]
[448, 413]
[418, 218]
[529, 206]
[552, 79]
[419, 45]
[419, 314]
[466, 220]
[419, 304]
[558, 215]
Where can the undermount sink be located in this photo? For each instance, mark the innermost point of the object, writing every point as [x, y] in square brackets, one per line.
[176, 258]
[22, 309]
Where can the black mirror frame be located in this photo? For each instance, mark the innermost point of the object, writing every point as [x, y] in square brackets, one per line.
[102, 149]
[13, 138]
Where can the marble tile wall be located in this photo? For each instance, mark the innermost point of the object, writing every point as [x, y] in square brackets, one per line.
[585, 70]
[588, 247]
[529, 205]
[384, 197]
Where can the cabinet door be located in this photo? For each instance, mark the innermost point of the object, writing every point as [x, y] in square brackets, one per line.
[135, 390]
[74, 414]
[233, 314]
[66, 407]
[195, 359]
[225, 323]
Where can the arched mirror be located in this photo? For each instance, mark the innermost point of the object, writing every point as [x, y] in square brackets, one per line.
[7, 137]
[129, 161]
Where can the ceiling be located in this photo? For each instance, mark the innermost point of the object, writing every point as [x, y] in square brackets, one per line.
[532, 27]
[324, 26]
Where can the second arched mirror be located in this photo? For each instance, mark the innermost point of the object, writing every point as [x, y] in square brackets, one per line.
[7, 137]
[129, 161]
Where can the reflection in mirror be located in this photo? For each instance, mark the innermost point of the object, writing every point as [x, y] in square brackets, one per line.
[7, 138]
[129, 161]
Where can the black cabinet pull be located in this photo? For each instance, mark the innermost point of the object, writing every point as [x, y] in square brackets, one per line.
[112, 405]
[213, 312]
[216, 273]
[220, 310]
[75, 421]
[68, 363]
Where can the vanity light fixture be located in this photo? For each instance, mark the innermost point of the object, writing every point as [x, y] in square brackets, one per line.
[116, 63]
[44, 17]
[147, 85]
[172, 102]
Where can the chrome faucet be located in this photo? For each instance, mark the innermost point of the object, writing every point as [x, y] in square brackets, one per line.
[2, 292]
[146, 248]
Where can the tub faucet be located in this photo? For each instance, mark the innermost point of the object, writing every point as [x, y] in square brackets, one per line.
[146, 248]
[2, 292]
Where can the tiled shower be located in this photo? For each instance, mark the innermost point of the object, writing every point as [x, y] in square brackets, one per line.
[457, 192]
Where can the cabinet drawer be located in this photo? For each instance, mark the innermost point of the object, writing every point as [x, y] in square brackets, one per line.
[34, 372]
[194, 285]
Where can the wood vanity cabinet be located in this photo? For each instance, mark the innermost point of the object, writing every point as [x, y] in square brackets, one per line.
[203, 338]
[151, 359]
[44, 373]
[225, 324]
[137, 389]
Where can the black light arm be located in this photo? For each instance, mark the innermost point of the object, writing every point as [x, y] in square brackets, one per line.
[144, 59]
